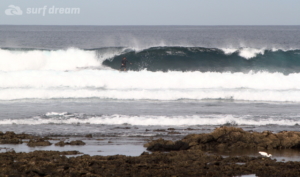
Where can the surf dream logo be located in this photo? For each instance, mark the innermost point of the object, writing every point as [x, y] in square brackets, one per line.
[15, 10]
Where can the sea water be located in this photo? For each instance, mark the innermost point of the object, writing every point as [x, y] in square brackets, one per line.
[64, 80]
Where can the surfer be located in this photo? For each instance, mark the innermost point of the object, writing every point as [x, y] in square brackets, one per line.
[123, 64]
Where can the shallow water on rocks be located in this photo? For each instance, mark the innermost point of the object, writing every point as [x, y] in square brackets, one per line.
[92, 147]
[282, 155]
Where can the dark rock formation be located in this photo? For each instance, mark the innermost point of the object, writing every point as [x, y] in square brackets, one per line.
[60, 143]
[179, 162]
[12, 138]
[38, 142]
[172, 129]
[173, 133]
[163, 145]
[89, 136]
[77, 142]
[231, 138]
[159, 130]
[176, 163]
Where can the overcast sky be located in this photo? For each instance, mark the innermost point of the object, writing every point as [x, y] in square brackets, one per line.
[151, 12]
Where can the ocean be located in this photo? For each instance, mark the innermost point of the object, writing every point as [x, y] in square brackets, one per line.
[65, 80]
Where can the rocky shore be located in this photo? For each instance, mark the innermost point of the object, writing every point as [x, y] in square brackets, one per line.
[186, 157]
[230, 138]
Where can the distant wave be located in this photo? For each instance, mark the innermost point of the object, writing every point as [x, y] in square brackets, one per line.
[69, 118]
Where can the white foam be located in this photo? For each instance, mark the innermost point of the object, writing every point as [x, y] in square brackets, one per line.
[69, 59]
[249, 53]
[246, 53]
[110, 79]
[153, 120]
[247, 95]
[56, 113]
[229, 51]
[109, 84]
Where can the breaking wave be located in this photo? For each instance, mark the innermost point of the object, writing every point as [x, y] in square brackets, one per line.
[218, 74]
[210, 60]
[146, 120]
[154, 59]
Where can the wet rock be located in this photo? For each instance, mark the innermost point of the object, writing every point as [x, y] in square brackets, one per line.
[38, 142]
[159, 130]
[159, 141]
[234, 138]
[163, 145]
[60, 143]
[145, 153]
[173, 133]
[77, 142]
[89, 136]
[12, 138]
[191, 129]
[9, 138]
[72, 143]
[175, 163]
[171, 129]
[178, 162]
[70, 153]
[11, 141]
[122, 128]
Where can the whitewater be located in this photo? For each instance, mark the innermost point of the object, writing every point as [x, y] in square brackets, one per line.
[76, 73]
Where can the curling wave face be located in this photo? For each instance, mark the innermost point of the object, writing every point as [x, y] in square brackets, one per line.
[210, 60]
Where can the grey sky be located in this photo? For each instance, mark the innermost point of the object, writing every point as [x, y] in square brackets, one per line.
[156, 12]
